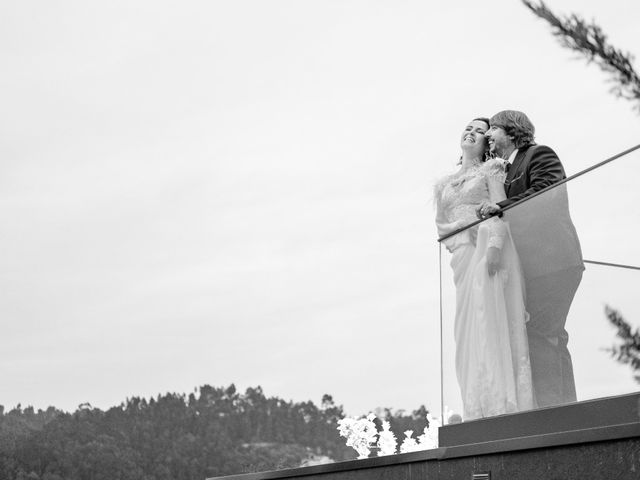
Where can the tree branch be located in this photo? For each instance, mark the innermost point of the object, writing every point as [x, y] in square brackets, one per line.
[589, 40]
[629, 351]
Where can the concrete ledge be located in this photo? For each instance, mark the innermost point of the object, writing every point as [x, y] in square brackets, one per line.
[603, 412]
[446, 457]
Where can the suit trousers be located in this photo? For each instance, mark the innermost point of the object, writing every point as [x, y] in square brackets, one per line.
[549, 298]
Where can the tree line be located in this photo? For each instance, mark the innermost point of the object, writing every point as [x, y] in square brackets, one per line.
[213, 431]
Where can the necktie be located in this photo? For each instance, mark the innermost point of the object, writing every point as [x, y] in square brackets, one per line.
[507, 166]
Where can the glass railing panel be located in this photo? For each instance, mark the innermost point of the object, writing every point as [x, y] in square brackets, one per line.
[605, 209]
[451, 404]
[500, 358]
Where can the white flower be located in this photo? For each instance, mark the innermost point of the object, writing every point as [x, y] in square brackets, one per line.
[409, 444]
[386, 440]
[426, 441]
[429, 437]
[360, 433]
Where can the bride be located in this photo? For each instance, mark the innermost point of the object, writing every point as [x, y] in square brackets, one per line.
[492, 353]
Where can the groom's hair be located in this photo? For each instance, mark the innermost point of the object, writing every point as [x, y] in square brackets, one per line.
[516, 125]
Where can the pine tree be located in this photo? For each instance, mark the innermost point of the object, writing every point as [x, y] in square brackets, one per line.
[588, 39]
[628, 352]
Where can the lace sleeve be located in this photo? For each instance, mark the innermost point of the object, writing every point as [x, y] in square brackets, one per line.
[497, 231]
[443, 224]
[495, 176]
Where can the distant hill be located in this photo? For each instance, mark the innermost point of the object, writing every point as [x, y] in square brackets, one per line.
[211, 432]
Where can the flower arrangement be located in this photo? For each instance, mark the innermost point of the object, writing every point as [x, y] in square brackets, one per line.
[362, 434]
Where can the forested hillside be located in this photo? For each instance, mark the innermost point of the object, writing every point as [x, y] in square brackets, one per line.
[211, 432]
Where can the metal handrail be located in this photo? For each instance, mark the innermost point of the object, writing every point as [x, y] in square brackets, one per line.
[539, 192]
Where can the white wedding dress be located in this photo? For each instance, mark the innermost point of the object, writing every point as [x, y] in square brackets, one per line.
[492, 352]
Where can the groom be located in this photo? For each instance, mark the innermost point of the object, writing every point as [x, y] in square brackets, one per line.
[548, 247]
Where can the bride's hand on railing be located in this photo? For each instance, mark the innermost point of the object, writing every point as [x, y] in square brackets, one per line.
[486, 210]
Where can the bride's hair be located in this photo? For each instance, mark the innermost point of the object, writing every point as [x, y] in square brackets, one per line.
[482, 119]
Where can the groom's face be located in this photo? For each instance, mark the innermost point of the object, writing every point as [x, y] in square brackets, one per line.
[500, 144]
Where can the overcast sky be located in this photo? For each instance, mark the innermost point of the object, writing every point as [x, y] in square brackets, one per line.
[240, 191]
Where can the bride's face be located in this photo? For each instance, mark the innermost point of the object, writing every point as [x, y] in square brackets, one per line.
[473, 137]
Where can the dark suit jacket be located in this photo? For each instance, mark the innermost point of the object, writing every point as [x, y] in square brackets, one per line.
[542, 230]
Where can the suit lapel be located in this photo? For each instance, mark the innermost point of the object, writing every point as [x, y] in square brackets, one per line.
[515, 167]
